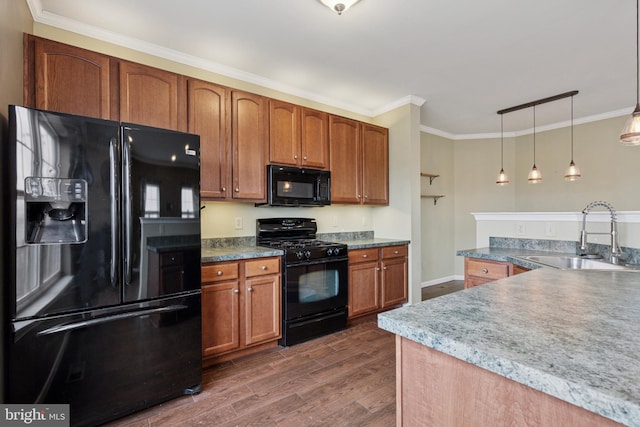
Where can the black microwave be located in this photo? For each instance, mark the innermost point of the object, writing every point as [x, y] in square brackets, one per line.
[290, 186]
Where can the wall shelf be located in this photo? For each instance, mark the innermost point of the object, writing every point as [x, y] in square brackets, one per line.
[435, 197]
[431, 176]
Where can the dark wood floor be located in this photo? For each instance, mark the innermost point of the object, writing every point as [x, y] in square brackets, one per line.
[442, 289]
[347, 378]
[343, 379]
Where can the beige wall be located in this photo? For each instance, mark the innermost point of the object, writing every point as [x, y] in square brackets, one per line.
[15, 19]
[437, 221]
[610, 172]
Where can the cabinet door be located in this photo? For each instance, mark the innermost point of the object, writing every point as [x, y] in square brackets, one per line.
[363, 288]
[375, 165]
[148, 96]
[207, 115]
[69, 79]
[262, 309]
[315, 139]
[220, 317]
[249, 144]
[346, 166]
[284, 133]
[394, 282]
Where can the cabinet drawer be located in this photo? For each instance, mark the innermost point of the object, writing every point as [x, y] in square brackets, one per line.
[171, 258]
[219, 272]
[363, 255]
[487, 269]
[261, 267]
[394, 251]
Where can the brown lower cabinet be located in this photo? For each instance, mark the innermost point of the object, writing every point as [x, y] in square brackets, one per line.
[378, 279]
[241, 306]
[479, 271]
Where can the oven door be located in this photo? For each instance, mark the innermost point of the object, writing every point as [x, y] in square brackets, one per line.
[315, 287]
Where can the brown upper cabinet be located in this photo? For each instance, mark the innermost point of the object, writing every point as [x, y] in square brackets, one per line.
[359, 155]
[208, 108]
[240, 132]
[249, 142]
[298, 136]
[149, 96]
[67, 79]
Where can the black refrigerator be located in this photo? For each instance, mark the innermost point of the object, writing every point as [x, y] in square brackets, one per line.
[103, 272]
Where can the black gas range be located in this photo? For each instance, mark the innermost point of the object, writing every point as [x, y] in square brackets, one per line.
[315, 278]
[297, 238]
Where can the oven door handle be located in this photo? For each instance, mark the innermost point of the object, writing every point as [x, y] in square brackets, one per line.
[316, 261]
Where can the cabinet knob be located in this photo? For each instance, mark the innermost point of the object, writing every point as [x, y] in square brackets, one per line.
[377, 268]
[295, 157]
[264, 267]
[365, 256]
[485, 271]
[236, 291]
[237, 190]
[396, 252]
[223, 189]
[366, 197]
[359, 196]
[249, 289]
[384, 268]
[304, 158]
[219, 273]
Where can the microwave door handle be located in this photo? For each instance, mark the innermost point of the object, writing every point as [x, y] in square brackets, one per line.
[114, 189]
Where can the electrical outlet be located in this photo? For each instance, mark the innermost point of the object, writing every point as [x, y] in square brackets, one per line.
[549, 229]
[365, 221]
[520, 229]
[238, 223]
[334, 221]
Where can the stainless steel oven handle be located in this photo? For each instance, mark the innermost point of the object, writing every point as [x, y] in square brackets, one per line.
[107, 319]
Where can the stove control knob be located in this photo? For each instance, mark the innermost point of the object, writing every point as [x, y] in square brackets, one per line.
[299, 255]
[330, 251]
[336, 251]
[307, 254]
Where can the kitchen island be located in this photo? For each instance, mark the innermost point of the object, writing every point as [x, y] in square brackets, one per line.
[547, 347]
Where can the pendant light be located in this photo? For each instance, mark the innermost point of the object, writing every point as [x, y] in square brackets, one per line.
[339, 6]
[631, 132]
[572, 173]
[502, 177]
[534, 176]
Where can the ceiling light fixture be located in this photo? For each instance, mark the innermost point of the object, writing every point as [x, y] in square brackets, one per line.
[572, 173]
[502, 177]
[535, 176]
[339, 6]
[631, 132]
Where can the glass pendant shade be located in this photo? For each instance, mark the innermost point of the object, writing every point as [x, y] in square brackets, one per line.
[502, 178]
[572, 173]
[631, 132]
[535, 176]
[339, 6]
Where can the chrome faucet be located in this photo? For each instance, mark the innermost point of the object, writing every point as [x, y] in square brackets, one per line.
[616, 252]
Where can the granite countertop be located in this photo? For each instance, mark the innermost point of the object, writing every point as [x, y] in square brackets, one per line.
[511, 255]
[569, 334]
[236, 252]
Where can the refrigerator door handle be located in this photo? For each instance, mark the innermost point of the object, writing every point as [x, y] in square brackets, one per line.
[127, 211]
[92, 322]
[114, 188]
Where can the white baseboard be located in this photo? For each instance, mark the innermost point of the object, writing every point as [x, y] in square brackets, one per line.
[434, 282]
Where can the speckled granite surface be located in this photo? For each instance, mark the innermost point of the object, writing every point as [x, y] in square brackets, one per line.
[571, 334]
[234, 248]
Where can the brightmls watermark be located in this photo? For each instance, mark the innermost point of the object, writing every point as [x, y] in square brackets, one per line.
[35, 415]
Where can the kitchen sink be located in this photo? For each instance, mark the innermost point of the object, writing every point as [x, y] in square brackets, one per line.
[567, 262]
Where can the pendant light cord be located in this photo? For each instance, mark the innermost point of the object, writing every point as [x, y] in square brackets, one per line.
[534, 135]
[637, 53]
[501, 142]
[572, 130]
